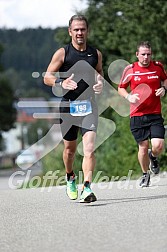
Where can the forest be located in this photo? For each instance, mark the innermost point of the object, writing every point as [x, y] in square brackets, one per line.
[116, 27]
[25, 52]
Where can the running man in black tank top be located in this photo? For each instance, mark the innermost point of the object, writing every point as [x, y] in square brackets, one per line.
[80, 69]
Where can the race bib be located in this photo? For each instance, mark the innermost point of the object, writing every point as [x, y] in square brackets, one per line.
[80, 108]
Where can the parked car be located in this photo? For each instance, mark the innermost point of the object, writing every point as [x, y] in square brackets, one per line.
[25, 159]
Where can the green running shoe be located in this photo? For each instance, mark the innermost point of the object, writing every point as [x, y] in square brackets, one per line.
[71, 189]
[87, 196]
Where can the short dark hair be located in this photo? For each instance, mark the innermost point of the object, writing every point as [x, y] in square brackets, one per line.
[144, 44]
[79, 18]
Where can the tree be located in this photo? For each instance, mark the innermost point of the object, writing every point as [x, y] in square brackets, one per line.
[7, 110]
[117, 26]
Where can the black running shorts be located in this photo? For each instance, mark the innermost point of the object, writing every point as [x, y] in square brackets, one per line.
[70, 125]
[147, 127]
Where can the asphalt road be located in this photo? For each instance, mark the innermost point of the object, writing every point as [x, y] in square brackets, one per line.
[125, 218]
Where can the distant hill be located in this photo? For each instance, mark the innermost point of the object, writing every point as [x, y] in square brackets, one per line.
[28, 49]
[24, 52]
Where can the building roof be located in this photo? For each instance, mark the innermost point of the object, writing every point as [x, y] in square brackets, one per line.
[27, 107]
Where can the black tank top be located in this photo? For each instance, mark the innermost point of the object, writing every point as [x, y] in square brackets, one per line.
[82, 64]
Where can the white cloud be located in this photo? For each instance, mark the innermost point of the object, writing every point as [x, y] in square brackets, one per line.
[22, 14]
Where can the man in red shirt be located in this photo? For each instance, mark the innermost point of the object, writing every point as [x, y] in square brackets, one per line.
[147, 80]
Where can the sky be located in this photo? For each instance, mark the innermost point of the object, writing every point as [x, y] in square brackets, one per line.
[21, 14]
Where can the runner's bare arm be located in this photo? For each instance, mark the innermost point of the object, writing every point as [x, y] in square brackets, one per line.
[99, 78]
[99, 68]
[54, 66]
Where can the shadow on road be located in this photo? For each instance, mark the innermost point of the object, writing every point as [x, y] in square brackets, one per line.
[126, 200]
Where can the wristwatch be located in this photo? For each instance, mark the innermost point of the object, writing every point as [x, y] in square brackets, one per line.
[59, 81]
